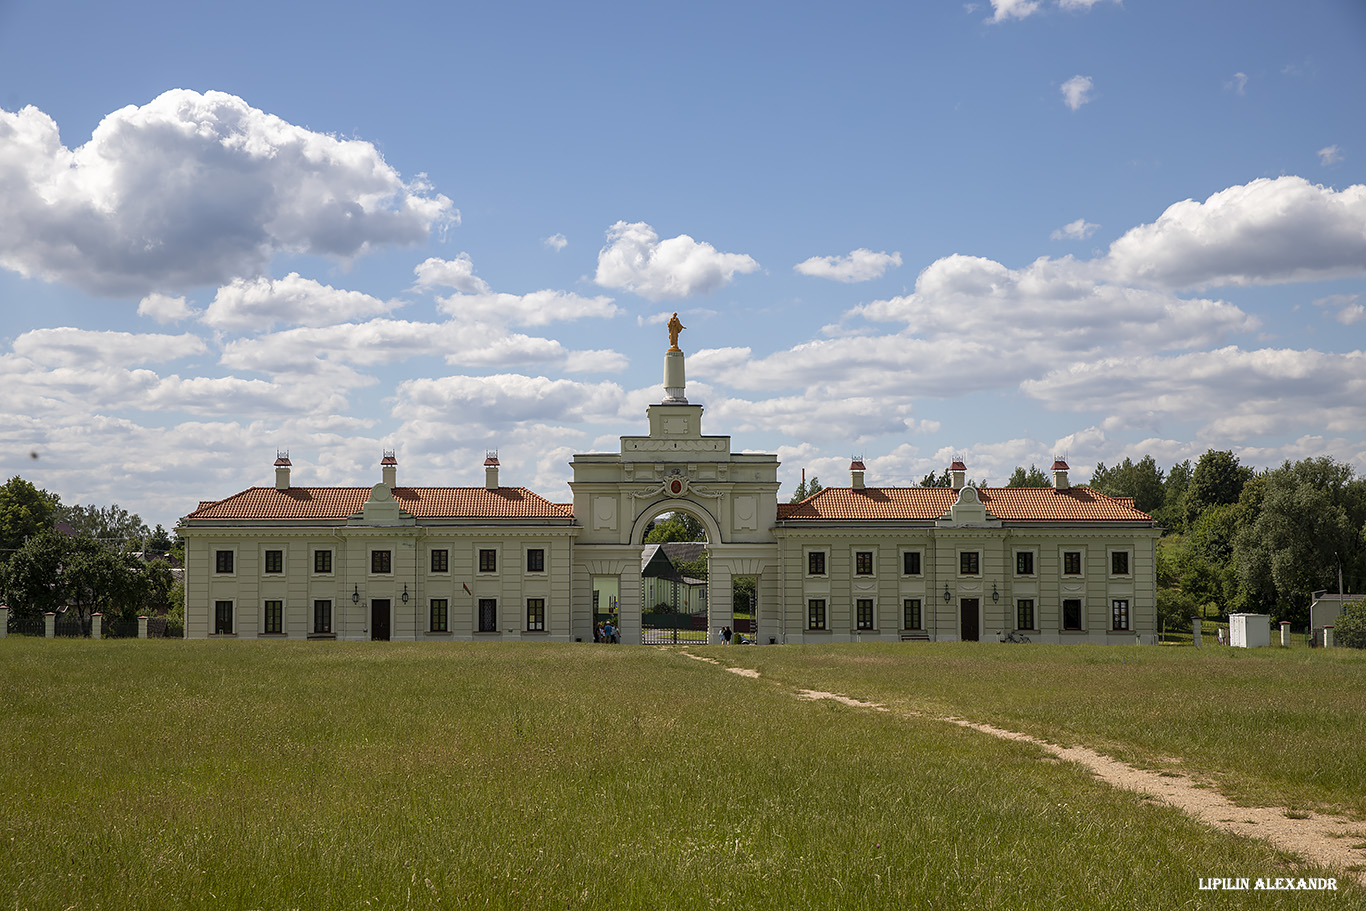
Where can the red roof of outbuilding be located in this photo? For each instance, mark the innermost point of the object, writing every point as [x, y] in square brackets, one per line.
[421, 502]
[1014, 504]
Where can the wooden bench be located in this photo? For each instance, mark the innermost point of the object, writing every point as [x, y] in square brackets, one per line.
[915, 637]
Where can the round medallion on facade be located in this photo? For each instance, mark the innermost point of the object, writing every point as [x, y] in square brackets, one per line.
[675, 487]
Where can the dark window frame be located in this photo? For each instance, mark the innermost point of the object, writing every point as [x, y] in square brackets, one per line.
[322, 616]
[969, 563]
[863, 562]
[1119, 615]
[864, 615]
[815, 563]
[322, 562]
[911, 563]
[488, 560]
[1071, 563]
[1025, 614]
[535, 615]
[1119, 563]
[274, 622]
[439, 615]
[911, 614]
[274, 562]
[535, 559]
[440, 560]
[381, 562]
[815, 614]
[1024, 562]
[223, 562]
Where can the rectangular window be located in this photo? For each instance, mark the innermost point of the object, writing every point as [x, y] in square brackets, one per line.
[969, 563]
[275, 561]
[1071, 613]
[535, 560]
[1024, 563]
[863, 613]
[815, 613]
[1024, 614]
[535, 614]
[910, 563]
[223, 561]
[1071, 563]
[222, 617]
[275, 617]
[488, 561]
[440, 615]
[322, 561]
[488, 615]
[863, 563]
[381, 561]
[1119, 615]
[815, 563]
[910, 613]
[441, 561]
[322, 616]
[1119, 563]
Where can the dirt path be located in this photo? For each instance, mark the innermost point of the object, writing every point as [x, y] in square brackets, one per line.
[1328, 840]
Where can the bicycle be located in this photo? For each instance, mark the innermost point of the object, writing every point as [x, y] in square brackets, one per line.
[1014, 636]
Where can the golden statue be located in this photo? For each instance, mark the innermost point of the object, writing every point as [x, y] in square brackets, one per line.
[675, 327]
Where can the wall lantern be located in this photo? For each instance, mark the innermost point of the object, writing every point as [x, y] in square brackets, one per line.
[947, 595]
[995, 595]
[355, 594]
[404, 596]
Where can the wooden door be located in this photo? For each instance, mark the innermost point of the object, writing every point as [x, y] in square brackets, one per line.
[379, 619]
[970, 629]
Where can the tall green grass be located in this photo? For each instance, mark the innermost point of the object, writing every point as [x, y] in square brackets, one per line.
[449, 775]
[1268, 725]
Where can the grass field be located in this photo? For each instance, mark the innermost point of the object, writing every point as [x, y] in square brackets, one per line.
[143, 774]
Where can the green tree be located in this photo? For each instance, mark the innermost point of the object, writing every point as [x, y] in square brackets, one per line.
[1141, 480]
[1171, 515]
[1350, 628]
[937, 480]
[1031, 478]
[1217, 479]
[111, 524]
[24, 512]
[53, 570]
[677, 526]
[806, 489]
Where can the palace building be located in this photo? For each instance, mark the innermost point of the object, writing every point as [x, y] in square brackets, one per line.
[856, 563]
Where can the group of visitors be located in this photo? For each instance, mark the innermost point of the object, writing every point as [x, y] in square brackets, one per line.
[725, 635]
[606, 632]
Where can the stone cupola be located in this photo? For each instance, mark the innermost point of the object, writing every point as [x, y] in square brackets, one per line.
[958, 474]
[1060, 475]
[282, 470]
[389, 466]
[856, 470]
[491, 471]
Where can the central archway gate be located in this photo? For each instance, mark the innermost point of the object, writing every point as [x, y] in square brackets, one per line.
[675, 468]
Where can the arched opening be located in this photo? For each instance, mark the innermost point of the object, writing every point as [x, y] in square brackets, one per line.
[674, 579]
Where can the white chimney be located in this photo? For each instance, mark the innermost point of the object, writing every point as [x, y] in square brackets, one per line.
[282, 470]
[389, 465]
[1060, 475]
[856, 470]
[958, 473]
[491, 471]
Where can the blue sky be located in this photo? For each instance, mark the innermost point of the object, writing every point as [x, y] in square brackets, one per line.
[912, 232]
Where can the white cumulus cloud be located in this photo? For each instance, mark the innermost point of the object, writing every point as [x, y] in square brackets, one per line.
[1329, 155]
[193, 189]
[260, 303]
[635, 259]
[1268, 231]
[165, 309]
[455, 273]
[538, 308]
[1012, 9]
[556, 242]
[1075, 230]
[860, 265]
[1077, 91]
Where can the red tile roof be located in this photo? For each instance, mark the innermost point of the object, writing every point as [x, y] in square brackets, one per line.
[1012, 504]
[422, 502]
